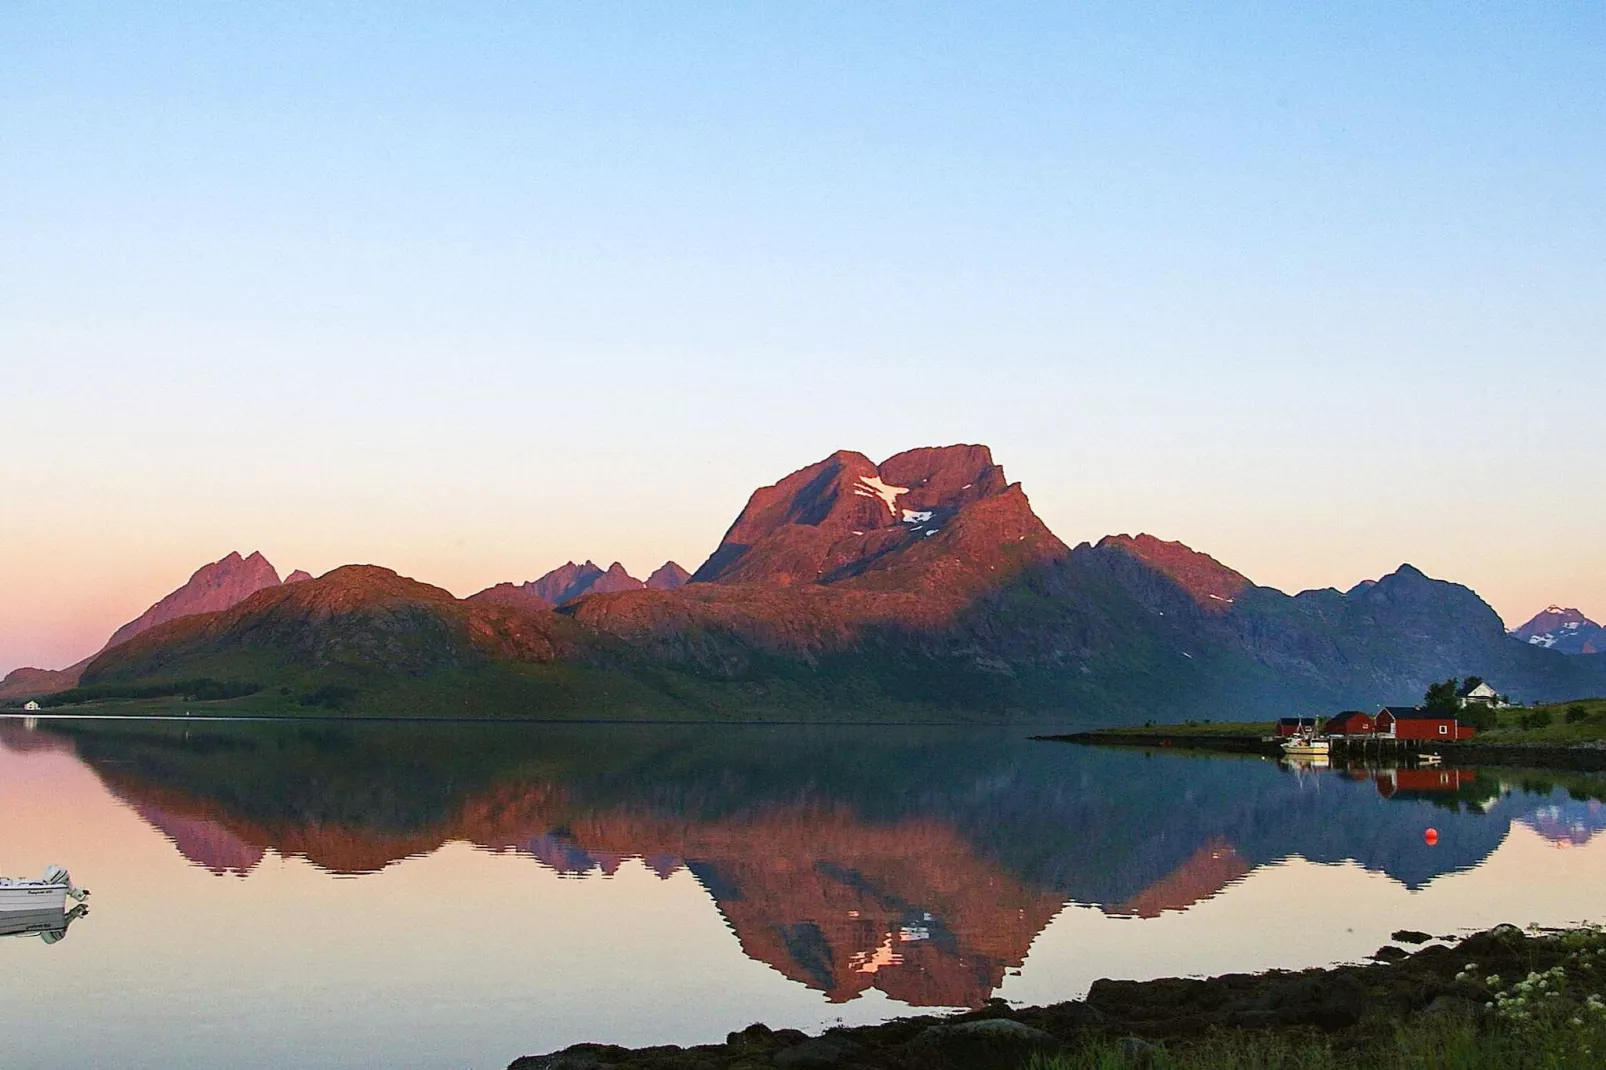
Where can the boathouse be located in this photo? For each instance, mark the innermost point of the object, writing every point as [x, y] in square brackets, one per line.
[1292, 726]
[1414, 722]
[1351, 723]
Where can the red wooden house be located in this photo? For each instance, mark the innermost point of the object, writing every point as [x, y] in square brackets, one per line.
[1291, 726]
[1350, 723]
[1413, 722]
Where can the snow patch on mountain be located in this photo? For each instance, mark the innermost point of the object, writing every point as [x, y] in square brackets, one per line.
[873, 487]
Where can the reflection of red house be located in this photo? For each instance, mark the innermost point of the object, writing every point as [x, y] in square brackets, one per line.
[1390, 781]
[1413, 722]
[1350, 723]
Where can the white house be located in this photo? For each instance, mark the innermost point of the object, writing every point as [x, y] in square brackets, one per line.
[1482, 695]
[30, 705]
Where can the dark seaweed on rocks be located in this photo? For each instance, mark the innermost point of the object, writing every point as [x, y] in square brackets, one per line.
[1351, 1007]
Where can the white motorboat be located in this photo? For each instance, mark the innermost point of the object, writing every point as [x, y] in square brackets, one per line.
[1307, 745]
[49, 892]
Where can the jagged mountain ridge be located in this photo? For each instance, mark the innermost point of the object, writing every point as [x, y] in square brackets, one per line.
[570, 581]
[214, 586]
[925, 582]
[845, 515]
[1382, 638]
[218, 585]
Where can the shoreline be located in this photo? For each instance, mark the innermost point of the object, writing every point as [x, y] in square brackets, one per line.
[1576, 757]
[1450, 991]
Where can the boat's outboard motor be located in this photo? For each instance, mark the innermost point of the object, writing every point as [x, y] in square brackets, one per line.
[59, 875]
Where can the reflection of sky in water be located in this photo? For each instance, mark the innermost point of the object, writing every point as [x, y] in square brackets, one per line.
[651, 906]
[1570, 823]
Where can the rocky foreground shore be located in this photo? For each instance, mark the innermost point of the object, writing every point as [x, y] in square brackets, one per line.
[1502, 979]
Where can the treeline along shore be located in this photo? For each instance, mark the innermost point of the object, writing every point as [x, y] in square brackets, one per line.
[1501, 998]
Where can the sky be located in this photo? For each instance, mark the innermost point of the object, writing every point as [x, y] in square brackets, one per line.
[472, 290]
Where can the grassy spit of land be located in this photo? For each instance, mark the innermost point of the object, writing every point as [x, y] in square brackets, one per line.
[1500, 999]
[1566, 735]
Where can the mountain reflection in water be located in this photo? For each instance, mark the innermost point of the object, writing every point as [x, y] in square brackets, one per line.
[921, 863]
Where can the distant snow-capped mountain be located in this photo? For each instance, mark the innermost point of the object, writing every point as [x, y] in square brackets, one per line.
[1564, 630]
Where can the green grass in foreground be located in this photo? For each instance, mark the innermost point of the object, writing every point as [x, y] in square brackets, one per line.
[1550, 1018]
[1448, 1043]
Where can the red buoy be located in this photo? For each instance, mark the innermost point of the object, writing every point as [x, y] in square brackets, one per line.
[1430, 837]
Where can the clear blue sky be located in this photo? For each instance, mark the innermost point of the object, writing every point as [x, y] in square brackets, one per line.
[472, 289]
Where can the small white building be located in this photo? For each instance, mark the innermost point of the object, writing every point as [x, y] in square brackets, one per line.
[30, 705]
[1482, 695]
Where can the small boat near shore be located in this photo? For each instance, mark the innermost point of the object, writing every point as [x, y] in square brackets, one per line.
[1307, 745]
[49, 892]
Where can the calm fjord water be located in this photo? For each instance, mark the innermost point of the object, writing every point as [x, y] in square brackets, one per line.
[455, 896]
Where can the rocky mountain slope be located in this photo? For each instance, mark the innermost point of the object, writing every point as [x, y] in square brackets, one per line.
[29, 682]
[218, 585]
[213, 587]
[1566, 631]
[668, 577]
[845, 516]
[1381, 641]
[567, 581]
[361, 618]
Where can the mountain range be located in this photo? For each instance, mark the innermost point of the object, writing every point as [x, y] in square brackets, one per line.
[1565, 630]
[570, 581]
[921, 587]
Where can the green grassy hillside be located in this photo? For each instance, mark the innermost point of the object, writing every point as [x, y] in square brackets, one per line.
[1558, 724]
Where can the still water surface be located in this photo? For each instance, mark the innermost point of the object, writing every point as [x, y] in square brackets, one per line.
[457, 896]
